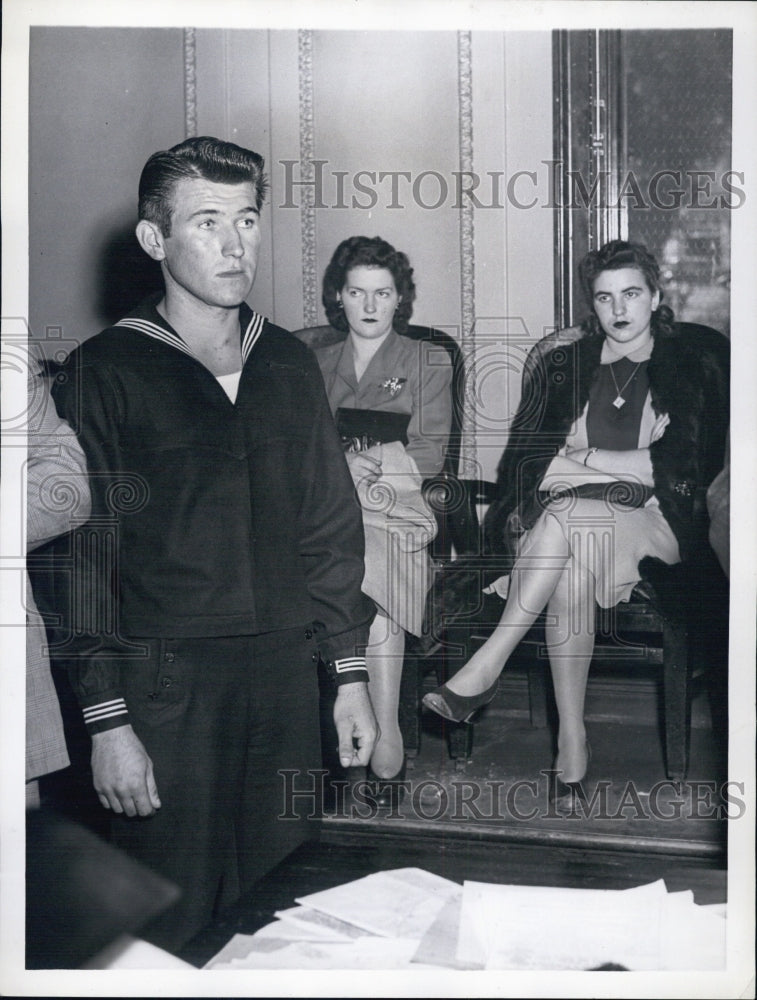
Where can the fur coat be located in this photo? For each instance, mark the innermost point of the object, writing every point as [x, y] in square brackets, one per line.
[688, 380]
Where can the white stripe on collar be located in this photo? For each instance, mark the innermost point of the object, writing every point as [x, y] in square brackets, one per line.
[249, 337]
[155, 331]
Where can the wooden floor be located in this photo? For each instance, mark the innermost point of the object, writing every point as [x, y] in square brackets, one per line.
[501, 792]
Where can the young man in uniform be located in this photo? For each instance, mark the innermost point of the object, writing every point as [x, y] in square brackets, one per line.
[225, 527]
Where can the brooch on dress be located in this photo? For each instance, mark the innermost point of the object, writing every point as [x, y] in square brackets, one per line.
[393, 385]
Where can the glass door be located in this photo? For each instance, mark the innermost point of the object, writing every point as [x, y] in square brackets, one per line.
[643, 152]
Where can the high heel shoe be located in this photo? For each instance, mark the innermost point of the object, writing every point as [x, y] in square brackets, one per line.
[458, 707]
[563, 795]
[387, 792]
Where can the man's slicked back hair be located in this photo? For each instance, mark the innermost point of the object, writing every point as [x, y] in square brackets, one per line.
[204, 156]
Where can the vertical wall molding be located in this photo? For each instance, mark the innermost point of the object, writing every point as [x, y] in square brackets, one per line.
[468, 451]
[190, 83]
[307, 191]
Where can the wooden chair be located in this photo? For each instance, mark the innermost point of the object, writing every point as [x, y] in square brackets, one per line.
[677, 616]
[649, 630]
[443, 493]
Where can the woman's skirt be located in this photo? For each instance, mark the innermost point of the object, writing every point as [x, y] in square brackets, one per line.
[609, 540]
[398, 526]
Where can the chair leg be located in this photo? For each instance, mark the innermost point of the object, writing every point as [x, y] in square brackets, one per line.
[409, 709]
[459, 735]
[537, 693]
[677, 695]
[460, 742]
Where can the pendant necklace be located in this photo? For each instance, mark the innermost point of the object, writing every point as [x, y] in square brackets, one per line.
[619, 400]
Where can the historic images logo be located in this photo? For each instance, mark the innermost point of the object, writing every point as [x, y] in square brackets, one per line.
[545, 187]
[522, 801]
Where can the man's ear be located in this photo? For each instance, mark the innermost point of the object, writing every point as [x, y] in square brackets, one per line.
[151, 239]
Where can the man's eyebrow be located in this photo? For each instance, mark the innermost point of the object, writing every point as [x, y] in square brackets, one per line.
[217, 211]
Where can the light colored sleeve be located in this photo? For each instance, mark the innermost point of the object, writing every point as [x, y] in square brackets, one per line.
[57, 490]
[431, 418]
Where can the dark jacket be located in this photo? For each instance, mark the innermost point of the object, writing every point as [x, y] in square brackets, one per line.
[210, 518]
[688, 379]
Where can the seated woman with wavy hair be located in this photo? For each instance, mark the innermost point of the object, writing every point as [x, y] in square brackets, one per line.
[620, 422]
[391, 396]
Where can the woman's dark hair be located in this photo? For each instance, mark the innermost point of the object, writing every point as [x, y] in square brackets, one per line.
[203, 156]
[367, 251]
[613, 256]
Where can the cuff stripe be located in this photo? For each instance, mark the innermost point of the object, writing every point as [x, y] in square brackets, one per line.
[349, 663]
[105, 710]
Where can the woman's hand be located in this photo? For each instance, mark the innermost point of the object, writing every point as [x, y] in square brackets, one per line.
[363, 467]
[569, 463]
[500, 587]
[659, 427]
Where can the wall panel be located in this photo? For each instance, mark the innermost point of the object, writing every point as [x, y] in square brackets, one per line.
[387, 103]
[101, 100]
[234, 102]
[399, 113]
[286, 227]
[514, 244]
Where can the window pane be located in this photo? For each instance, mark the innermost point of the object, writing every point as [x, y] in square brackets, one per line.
[678, 144]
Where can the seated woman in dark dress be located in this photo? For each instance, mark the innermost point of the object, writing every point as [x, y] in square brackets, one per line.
[604, 457]
[381, 375]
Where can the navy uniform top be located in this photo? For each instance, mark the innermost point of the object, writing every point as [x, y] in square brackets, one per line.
[230, 518]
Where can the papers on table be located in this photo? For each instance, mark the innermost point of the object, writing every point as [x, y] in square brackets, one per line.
[400, 903]
[412, 919]
[312, 925]
[375, 922]
[546, 928]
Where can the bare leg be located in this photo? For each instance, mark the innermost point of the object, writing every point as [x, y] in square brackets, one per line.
[570, 640]
[537, 572]
[384, 656]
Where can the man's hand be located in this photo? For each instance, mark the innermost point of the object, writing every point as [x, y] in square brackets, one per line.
[122, 773]
[355, 724]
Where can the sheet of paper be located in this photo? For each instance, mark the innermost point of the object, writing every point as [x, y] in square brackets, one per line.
[241, 945]
[548, 928]
[363, 953]
[399, 903]
[693, 937]
[313, 925]
[438, 945]
[721, 909]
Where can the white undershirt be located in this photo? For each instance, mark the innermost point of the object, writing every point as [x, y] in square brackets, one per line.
[230, 384]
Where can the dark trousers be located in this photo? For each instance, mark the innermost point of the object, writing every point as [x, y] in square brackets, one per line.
[220, 719]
